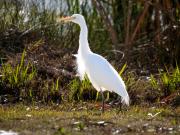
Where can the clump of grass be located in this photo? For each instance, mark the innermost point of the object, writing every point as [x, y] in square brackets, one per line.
[16, 80]
[81, 90]
[50, 92]
[20, 82]
[135, 87]
[61, 131]
[168, 82]
[74, 87]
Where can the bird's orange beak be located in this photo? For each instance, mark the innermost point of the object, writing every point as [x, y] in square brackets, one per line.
[65, 19]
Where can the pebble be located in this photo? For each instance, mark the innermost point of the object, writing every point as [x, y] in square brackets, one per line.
[2, 132]
[151, 130]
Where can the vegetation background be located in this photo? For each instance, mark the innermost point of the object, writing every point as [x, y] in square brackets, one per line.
[140, 38]
[40, 92]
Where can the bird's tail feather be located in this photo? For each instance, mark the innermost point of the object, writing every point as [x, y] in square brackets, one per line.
[125, 100]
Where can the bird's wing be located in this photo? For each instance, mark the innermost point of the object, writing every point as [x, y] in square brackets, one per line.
[105, 76]
[80, 66]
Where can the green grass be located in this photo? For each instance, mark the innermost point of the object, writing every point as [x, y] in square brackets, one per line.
[167, 82]
[16, 78]
[19, 75]
[22, 80]
[67, 119]
[81, 90]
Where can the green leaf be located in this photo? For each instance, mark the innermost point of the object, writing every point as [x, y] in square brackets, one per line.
[22, 59]
[123, 69]
[57, 84]
[154, 82]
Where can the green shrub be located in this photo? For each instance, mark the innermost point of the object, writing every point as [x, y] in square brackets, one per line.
[168, 82]
[16, 80]
[81, 90]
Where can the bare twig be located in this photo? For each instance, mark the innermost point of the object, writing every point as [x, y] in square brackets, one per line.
[97, 4]
[140, 21]
[118, 51]
[127, 24]
[157, 23]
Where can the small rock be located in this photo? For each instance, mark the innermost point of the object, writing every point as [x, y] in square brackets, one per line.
[77, 122]
[103, 123]
[36, 107]
[2, 132]
[170, 129]
[116, 132]
[28, 108]
[77, 129]
[28, 115]
[151, 130]
[100, 122]
[145, 125]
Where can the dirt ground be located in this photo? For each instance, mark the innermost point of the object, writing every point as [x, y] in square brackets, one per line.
[86, 118]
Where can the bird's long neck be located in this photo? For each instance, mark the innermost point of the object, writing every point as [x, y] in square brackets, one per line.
[83, 39]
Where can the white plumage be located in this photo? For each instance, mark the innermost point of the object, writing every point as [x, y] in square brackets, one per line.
[99, 71]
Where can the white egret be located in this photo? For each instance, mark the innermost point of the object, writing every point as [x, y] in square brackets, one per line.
[100, 72]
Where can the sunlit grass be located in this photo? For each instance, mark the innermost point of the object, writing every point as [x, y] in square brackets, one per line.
[15, 78]
[167, 82]
[68, 119]
[67, 110]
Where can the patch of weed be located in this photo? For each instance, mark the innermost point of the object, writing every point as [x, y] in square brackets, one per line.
[16, 80]
[168, 82]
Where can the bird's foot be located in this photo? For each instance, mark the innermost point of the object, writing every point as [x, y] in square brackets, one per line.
[99, 106]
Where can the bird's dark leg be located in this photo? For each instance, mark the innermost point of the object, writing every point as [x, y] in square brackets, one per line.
[102, 101]
[120, 104]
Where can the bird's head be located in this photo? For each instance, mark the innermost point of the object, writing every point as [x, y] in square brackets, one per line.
[75, 18]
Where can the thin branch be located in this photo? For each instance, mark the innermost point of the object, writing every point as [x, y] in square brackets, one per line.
[97, 4]
[140, 21]
[157, 23]
[127, 22]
